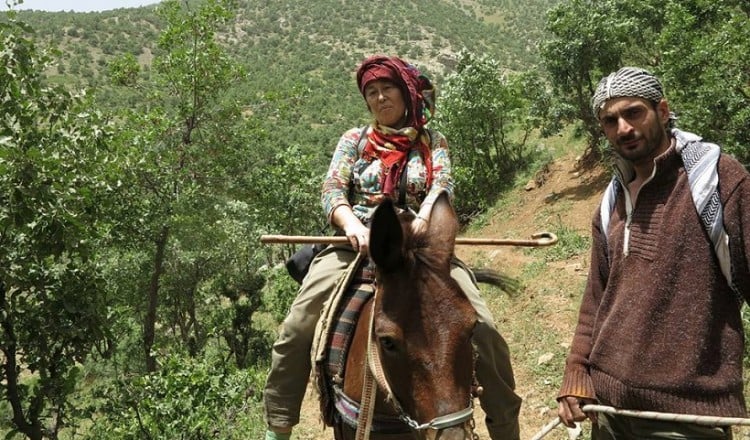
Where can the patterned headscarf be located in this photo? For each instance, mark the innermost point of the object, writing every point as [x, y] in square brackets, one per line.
[627, 82]
[389, 145]
[419, 92]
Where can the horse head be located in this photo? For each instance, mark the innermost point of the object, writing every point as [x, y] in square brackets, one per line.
[422, 322]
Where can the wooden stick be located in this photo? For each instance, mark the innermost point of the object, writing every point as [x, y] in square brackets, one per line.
[546, 429]
[538, 239]
[670, 417]
[652, 415]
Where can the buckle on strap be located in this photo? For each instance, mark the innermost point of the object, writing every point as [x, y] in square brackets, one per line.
[442, 422]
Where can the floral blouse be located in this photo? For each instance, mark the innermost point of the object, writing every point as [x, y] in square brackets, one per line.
[355, 181]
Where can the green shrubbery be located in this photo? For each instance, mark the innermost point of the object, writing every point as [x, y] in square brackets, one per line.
[191, 399]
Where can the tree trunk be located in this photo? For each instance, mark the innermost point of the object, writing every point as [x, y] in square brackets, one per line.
[31, 429]
[149, 326]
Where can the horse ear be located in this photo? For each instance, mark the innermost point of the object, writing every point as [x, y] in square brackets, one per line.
[443, 225]
[386, 238]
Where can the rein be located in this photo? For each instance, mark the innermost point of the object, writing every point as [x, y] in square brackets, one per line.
[374, 375]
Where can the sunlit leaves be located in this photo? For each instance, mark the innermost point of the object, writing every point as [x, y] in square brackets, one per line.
[706, 54]
[699, 48]
[487, 114]
[56, 178]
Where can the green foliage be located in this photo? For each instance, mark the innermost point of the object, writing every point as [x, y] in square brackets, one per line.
[487, 115]
[57, 176]
[300, 212]
[124, 70]
[706, 54]
[279, 293]
[182, 167]
[698, 48]
[247, 344]
[186, 399]
[587, 40]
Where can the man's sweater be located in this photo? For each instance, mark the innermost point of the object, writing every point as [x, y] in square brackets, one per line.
[659, 328]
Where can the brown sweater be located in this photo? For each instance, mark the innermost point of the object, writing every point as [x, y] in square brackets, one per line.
[659, 329]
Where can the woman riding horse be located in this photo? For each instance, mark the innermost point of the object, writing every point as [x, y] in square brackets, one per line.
[400, 158]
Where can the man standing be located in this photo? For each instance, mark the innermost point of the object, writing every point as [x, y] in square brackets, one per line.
[659, 328]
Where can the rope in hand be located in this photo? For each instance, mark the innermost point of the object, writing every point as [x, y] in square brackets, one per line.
[653, 415]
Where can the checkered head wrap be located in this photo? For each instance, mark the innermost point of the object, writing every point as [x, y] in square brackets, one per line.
[627, 82]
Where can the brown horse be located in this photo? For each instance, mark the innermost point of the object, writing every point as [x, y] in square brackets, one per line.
[413, 337]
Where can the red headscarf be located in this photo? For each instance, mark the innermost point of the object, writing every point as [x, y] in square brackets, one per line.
[418, 91]
[392, 146]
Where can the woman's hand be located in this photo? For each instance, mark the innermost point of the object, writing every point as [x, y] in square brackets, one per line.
[358, 235]
[569, 411]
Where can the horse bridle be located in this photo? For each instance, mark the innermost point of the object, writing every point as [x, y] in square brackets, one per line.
[374, 374]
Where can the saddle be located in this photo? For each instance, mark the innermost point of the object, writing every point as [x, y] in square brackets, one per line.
[334, 331]
[333, 337]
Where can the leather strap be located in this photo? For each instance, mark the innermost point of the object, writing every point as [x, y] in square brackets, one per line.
[369, 385]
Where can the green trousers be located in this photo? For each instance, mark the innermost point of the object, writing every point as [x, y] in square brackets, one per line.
[616, 427]
[291, 365]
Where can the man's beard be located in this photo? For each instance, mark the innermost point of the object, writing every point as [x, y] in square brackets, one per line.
[649, 150]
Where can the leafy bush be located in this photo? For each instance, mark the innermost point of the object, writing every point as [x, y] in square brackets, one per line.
[57, 178]
[488, 115]
[279, 293]
[187, 399]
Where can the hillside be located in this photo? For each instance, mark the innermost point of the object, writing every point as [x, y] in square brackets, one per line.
[299, 57]
[275, 34]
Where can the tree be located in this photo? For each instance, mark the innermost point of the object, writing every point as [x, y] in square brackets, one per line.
[56, 181]
[706, 54]
[487, 116]
[587, 38]
[182, 150]
[188, 398]
[699, 49]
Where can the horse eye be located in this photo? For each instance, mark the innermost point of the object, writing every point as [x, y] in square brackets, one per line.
[387, 343]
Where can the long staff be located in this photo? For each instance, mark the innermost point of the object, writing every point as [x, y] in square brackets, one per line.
[538, 239]
[652, 415]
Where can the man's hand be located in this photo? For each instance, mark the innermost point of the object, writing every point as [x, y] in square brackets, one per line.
[569, 410]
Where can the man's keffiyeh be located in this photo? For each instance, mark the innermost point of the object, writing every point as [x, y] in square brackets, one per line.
[627, 82]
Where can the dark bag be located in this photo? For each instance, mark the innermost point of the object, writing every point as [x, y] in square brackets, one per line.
[298, 264]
